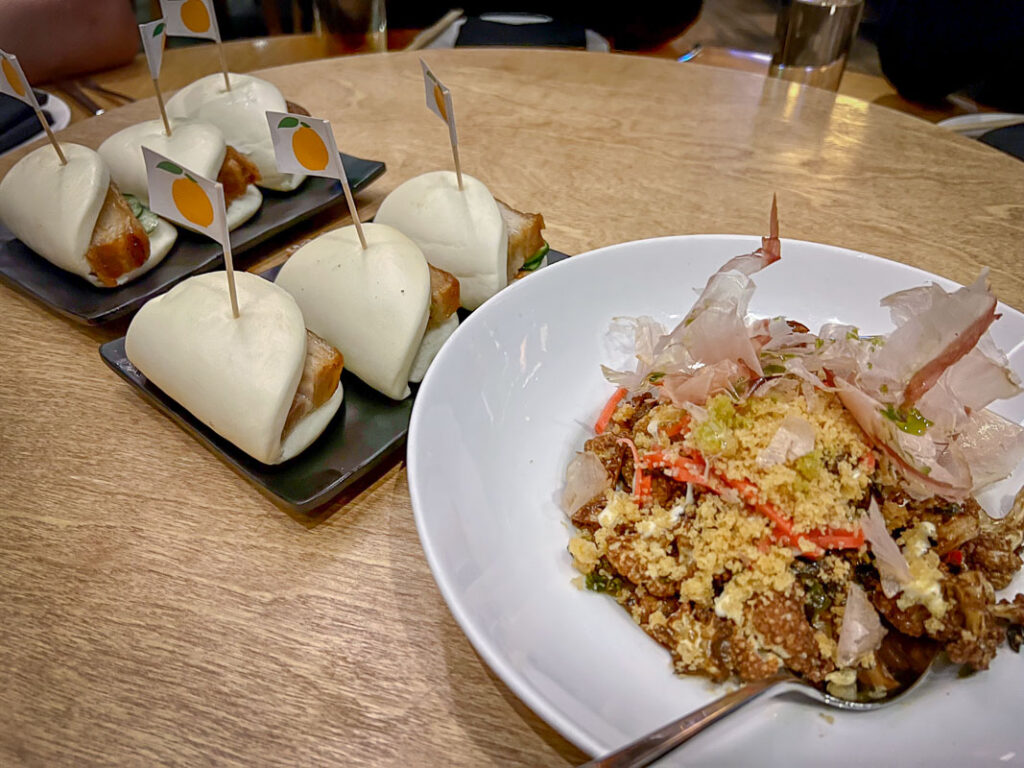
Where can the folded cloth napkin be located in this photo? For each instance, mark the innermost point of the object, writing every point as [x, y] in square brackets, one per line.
[551, 34]
[18, 121]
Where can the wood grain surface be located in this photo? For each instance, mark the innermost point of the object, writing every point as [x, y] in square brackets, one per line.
[182, 65]
[157, 610]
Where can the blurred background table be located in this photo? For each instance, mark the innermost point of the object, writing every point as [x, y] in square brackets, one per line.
[156, 609]
[182, 65]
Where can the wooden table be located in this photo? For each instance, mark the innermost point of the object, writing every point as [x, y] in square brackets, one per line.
[183, 65]
[156, 609]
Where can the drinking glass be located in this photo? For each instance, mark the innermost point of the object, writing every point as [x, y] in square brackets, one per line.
[355, 25]
[812, 40]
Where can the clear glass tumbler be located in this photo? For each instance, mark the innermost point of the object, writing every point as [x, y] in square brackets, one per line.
[812, 39]
[354, 25]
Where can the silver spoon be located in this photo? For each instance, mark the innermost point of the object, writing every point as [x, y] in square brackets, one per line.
[649, 748]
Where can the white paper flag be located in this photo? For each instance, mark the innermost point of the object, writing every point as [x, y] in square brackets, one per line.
[304, 145]
[185, 197]
[439, 100]
[153, 36]
[14, 83]
[190, 18]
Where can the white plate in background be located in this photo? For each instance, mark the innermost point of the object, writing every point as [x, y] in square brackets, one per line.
[59, 111]
[980, 123]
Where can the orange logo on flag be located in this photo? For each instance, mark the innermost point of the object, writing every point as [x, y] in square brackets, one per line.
[12, 78]
[189, 198]
[13, 82]
[308, 148]
[191, 18]
[186, 197]
[439, 100]
[195, 16]
[304, 144]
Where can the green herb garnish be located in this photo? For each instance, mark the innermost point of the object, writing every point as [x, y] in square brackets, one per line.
[816, 599]
[773, 369]
[599, 582]
[146, 217]
[809, 465]
[134, 204]
[910, 421]
[655, 377]
[714, 436]
[534, 261]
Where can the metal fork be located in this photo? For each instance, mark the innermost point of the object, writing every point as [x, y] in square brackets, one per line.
[649, 748]
[92, 85]
[76, 94]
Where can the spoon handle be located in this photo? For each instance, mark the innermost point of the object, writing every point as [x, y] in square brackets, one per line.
[649, 748]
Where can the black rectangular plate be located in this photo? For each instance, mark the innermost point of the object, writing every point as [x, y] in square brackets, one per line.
[73, 297]
[368, 431]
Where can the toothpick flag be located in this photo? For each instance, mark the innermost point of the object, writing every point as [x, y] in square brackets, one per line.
[194, 18]
[306, 145]
[190, 18]
[439, 100]
[194, 202]
[153, 36]
[14, 83]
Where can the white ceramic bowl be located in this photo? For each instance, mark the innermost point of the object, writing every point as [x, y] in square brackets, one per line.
[506, 403]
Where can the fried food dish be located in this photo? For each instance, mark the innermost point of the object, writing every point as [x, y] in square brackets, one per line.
[761, 497]
[119, 243]
[444, 296]
[483, 242]
[321, 373]
[236, 174]
[197, 146]
[525, 240]
[261, 380]
[76, 216]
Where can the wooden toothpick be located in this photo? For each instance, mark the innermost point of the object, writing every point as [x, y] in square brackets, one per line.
[458, 165]
[49, 132]
[160, 103]
[223, 62]
[439, 101]
[23, 90]
[352, 208]
[229, 262]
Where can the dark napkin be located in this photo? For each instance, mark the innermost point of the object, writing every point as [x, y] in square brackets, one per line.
[1009, 139]
[551, 34]
[18, 121]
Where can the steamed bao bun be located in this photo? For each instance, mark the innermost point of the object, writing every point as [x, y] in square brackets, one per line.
[53, 209]
[371, 304]
[236, 375]
[459, 231]
[241, 114]
[198, 146]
